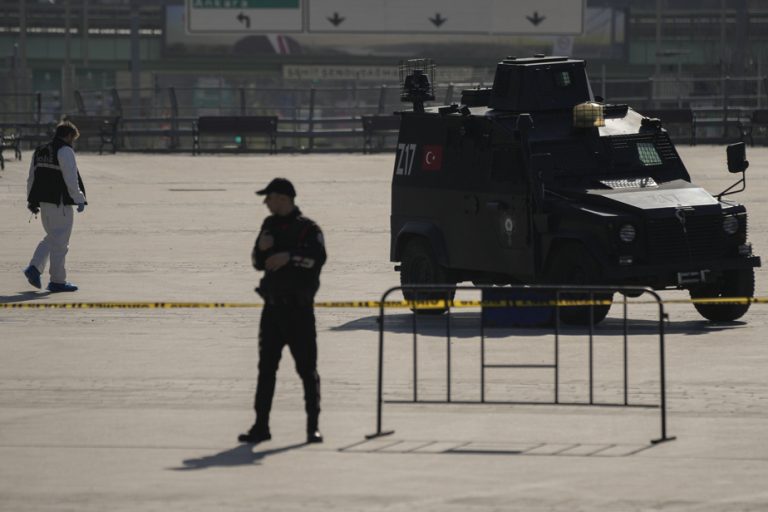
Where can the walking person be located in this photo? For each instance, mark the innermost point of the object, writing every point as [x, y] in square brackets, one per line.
[54, 186]
[291, 252]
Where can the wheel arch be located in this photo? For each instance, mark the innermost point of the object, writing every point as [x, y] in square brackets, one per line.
[426, 230]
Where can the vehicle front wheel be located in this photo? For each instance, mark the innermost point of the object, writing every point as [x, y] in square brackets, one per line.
[735, 283]
[419, 266]
[572, 264]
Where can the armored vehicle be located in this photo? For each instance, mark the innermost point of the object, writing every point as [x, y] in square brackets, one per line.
[536, 180]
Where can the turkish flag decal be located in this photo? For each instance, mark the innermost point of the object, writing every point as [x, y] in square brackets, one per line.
[432, 158]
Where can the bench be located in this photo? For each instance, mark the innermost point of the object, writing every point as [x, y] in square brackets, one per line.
[757, 119]
[161, 133]
[675, 116]
[9, 140]
[238, 126]
[378, 125]
[32, 133]
[103, 127]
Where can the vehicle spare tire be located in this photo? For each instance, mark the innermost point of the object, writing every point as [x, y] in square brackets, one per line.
[572, 264]
[420, 266]
[735, 283]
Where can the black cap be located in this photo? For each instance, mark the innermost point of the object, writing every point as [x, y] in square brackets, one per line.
[279, 186]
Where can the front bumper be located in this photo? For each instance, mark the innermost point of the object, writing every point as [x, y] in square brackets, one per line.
[678, 275]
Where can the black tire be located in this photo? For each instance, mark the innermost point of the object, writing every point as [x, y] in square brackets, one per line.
[735, 283]
[419, 266]
[572, 264]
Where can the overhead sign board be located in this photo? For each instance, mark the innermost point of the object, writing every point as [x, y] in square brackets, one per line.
[244, 16]
[503, 17]
[496, 17]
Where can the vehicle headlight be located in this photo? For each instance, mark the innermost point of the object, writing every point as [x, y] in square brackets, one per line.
[627, 233]
[730, 224]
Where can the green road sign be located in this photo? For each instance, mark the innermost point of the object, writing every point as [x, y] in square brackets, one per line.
[245, 4]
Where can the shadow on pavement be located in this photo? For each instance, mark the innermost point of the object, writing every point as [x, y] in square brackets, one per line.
[240, 455]
[23, 297]
[467, 325]
[403, 446]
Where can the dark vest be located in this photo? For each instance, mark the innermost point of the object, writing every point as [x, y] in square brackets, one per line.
[292, 233]
[48, 185]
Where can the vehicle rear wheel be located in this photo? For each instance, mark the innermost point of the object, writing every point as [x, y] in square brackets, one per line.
[735, 283]
[419, 266]
[572, 264]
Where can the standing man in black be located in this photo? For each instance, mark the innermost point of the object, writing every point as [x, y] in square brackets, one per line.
[291, 251]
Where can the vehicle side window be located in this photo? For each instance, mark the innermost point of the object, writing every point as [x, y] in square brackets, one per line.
[563, 79]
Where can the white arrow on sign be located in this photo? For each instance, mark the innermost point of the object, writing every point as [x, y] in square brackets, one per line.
[244, 16]
[519, 17]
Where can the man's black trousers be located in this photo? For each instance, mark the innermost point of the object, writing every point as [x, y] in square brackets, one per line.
[292, 325]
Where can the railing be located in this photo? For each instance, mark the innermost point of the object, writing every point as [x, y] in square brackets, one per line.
[20, 108]
[329, 118]
[561, 298]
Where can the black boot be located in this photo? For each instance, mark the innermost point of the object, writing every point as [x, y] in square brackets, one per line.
[313, 432]
[255, 435]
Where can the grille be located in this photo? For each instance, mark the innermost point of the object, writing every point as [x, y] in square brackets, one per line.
[644, 182]
[701, 239]
[660, 141]
[665, 148]
[743, 225]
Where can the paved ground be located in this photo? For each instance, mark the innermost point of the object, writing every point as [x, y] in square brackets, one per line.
[138, 409]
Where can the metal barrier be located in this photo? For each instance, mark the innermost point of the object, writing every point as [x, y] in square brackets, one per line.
[329, 118]
[20, 108]
[557, 303]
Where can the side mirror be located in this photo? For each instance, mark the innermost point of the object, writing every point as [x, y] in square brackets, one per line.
[737, 163]
[737, 157]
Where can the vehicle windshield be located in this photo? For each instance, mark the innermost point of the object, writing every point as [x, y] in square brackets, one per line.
[576, 159]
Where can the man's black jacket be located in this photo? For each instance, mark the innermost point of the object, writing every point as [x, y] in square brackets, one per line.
[303, 240]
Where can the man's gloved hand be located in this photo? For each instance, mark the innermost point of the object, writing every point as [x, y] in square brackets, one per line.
[277, 261]
[80, 207]
[34, 209]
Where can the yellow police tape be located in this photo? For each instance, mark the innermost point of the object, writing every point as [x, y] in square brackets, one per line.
[420, 304]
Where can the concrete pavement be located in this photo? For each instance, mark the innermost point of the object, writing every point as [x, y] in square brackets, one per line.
[139, 409]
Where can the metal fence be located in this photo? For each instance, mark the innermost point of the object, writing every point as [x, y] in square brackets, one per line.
[561, 296]
[313, 118]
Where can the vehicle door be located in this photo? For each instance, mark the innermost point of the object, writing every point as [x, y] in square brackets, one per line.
[503, 219]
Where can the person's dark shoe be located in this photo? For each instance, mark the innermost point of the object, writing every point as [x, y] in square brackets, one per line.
[33, 276]
[61, 287]
[314, 436]
[255, 436]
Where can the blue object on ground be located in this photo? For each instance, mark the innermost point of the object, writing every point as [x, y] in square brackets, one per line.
[517, 315]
